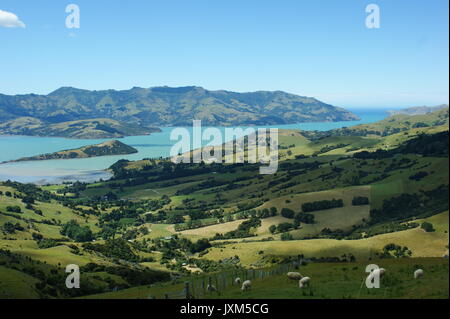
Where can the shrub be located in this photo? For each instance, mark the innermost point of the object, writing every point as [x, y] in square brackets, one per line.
[76, 232]
[272, 229]
[322, 205]
[360, 200]
[287, 213]
[428, 227]
[286, 236]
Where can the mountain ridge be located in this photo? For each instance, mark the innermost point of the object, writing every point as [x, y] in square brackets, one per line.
[171, 106]
[418, 110]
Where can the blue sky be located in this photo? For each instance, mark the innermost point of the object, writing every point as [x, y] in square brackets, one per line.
[318, 48]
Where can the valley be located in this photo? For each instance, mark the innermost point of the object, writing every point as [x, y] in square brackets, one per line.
[341, 199]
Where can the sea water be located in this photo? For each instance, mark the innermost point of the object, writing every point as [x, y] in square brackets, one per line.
[91, 169]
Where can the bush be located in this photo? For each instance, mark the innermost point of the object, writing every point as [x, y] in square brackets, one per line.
[114, 248]
[322, 205]
[76, 232]
[360, 200]
[200, 245]
[286, 236]
[284, 227]
[14, 209]
[287, 213]
[428, 227]
[418, 176]
[304, 218]
[272, 229]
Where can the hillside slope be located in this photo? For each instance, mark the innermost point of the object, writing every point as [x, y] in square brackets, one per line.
[389, 126]
[103, 149]
[418, 110]
[82, 129]
[164, 106]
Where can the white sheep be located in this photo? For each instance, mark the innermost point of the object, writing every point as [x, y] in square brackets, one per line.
[304, 282]
[237, 281]
[294, 275]
[418, 273]
[246, 285]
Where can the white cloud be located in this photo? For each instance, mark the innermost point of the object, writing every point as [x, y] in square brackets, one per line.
[10, 20]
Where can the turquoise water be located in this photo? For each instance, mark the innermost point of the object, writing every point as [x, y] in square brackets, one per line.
[91, 169]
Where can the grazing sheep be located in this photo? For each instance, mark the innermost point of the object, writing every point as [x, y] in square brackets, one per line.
[294, 275]
[211, 288]
[304, 282]
[237, 281]
[246, 285]
[418, 273]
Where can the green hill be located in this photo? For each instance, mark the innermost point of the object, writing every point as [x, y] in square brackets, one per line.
[392, 125]
[418, 110]
[103, 149]
[81, 129]
[337, 199]
[165, 106]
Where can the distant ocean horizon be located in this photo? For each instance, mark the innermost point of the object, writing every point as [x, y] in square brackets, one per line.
[92, 169]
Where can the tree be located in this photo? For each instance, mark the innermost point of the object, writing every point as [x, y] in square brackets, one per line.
[286, 236]
[273, 211]
[284, 227]
[428, 227]
[76, 232]
[304, 218]
[176, 218]
[287, 213]
[360, 200]
[272, 229]
[200, 245]
[9, 227]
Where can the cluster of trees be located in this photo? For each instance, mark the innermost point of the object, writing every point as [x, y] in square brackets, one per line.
[404, 206]
[393, 250]
[45, 243]
[76, 232]
[428, 227]
[298, 219]
[243, 230]
[114, 248]
[426, 145]
[11, 228]
[134, 277]
[303, 218]
[360, 201]
[322, 204]
[281, 228]
[200, 245]
[287, 213]
[7, 193]
[222, 218]
[14, 209]
[286, 236]
[418, 176]
[328, 148]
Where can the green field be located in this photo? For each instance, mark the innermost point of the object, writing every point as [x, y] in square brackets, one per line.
[155, 218]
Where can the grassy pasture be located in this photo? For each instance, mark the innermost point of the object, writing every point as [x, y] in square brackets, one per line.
[328, 281]
[421, 243]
